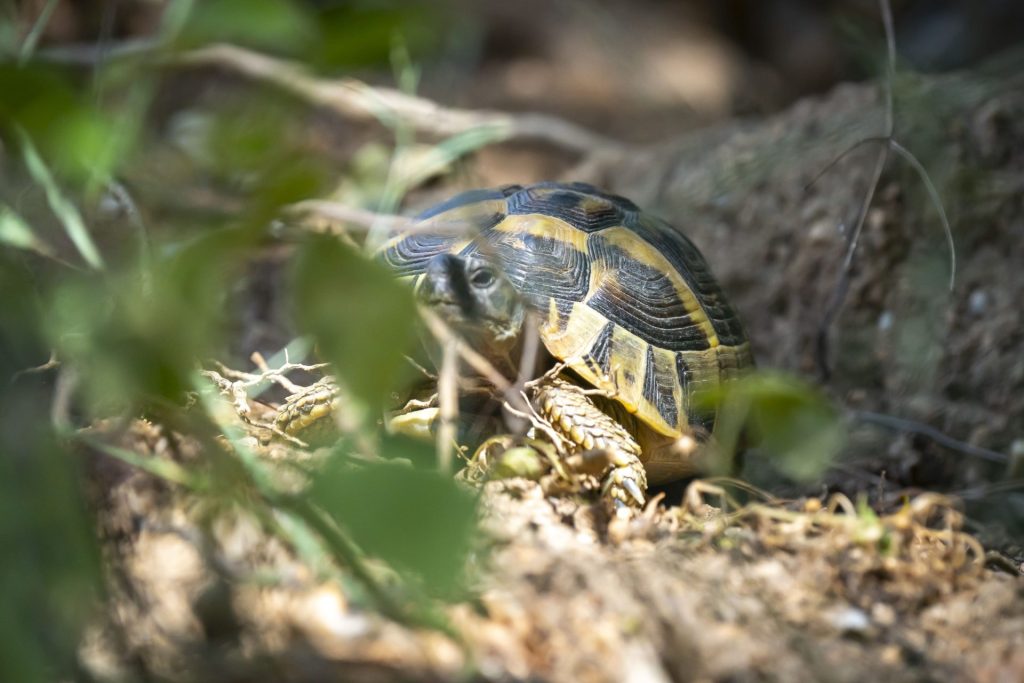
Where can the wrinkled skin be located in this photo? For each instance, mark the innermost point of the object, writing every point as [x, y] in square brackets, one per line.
[472, 296]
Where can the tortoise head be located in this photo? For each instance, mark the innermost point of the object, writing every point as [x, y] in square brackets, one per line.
[472, 296]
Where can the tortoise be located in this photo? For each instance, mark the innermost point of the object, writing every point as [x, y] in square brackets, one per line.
[627, 309]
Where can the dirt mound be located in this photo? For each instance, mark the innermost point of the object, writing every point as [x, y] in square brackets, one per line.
[202, 589]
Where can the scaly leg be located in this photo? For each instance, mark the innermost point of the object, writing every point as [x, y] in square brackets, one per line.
[311, 415]
[573, 415]
[308, 415]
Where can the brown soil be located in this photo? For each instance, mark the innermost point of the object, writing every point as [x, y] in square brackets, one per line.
[780, 592]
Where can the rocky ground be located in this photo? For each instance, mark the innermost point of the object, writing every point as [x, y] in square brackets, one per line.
[801, 590]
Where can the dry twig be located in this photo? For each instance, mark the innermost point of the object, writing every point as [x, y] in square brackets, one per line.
[929, 432]
[448, 402]
[889, 143]
[52, 363]
[481, 365]
[337, 212]
[356, 100]
[843, 284]
[237, 390]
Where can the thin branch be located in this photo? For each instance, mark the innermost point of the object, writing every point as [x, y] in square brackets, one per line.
[126, 205]
[476, 361]
[248, 380]
[50, 364]
[933, 194]
[340, 219]
[843, 284]
[32, 39]
[929, 432]
[356, 100]
[516, 402]
[527, 366]
[876, 139]
[91, 54]
[238, 391]
[448, 401]
[982, 491]
[63, 393]
[353, 215]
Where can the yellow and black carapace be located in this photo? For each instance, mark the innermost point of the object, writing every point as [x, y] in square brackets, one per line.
[625, 301]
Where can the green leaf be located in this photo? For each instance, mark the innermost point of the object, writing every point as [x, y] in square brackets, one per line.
[52, 578]
[15, 232]
[788, 419]
[361, 317]
[61, 205]
[419, 521]
[135, 337]
[363, 34]
[80, 142]
[49, 575]
[265, 24]
[252, 147]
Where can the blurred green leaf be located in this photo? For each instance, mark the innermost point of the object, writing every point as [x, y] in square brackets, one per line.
[78, 141]
[136, 337]
[400, 447]
[361, 317]
[15, 232]
[417, 520]
[65, 210]
[253, 146]
[266, 24]
[174, 18]
[362, 34]
[28, 46]
[788, 419]
[9, 38]
[49, 576]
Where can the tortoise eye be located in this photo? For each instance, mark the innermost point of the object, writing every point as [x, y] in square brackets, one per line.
[482, 278]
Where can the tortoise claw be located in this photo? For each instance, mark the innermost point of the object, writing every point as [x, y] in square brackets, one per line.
[633, 490]
[625, 485]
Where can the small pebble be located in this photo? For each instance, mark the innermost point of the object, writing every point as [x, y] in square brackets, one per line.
[977, 302]
[882, 614]
[851, 620]
[885, 321]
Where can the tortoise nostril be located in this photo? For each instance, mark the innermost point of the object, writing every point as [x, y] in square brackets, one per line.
[446, 281]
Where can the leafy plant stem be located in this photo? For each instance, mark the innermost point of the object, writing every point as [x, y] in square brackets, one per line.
[32, 39]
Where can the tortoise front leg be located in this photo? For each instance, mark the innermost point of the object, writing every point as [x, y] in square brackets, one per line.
[312, 415]
[309, 414]
[589, 429]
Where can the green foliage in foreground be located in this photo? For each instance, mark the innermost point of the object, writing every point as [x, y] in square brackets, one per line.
[49, 572]
[419, 521]
[131, 306]
[797, 430]
[363, 317]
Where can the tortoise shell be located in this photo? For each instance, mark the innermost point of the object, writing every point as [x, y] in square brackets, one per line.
[625, 300]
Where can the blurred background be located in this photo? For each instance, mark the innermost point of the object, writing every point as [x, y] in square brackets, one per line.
[607, 61]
